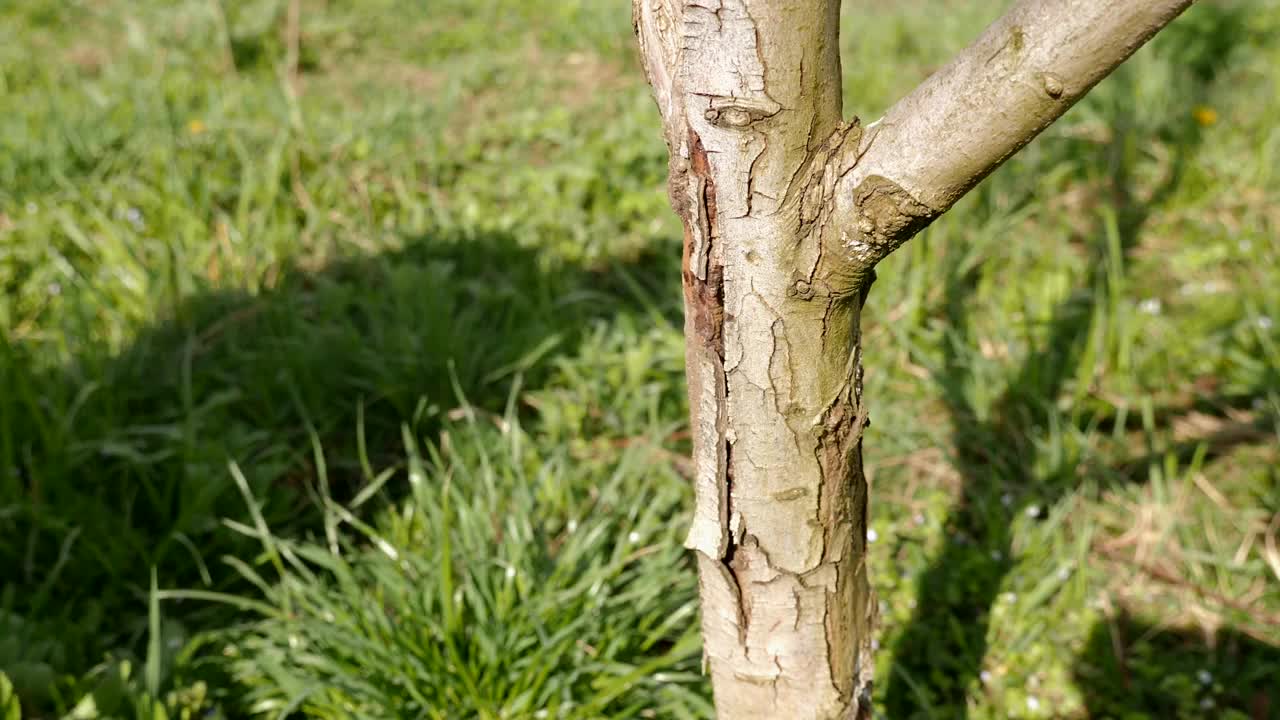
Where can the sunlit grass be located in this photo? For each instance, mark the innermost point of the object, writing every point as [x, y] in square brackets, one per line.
[365, 340]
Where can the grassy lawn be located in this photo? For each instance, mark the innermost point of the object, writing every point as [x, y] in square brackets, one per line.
[341, 374]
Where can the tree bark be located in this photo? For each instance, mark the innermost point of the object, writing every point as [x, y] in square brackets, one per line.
[786, 210]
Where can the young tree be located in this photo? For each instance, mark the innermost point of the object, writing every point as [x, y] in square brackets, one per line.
[787, 209]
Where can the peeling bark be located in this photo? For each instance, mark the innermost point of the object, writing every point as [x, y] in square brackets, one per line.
[786, 210]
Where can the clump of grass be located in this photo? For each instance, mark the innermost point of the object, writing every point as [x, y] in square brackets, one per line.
[511, 581]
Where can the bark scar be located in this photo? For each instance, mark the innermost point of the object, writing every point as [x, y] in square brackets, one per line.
[704, 306]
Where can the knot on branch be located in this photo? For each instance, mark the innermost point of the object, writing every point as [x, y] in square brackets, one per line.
[887, 212]
[886, 216]
[739, 112]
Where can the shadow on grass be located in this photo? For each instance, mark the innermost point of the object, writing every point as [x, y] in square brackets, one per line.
[938, 655]
[119, 463]
[1131, 669]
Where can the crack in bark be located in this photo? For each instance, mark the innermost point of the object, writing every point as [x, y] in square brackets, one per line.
[751, 170]
[704, 299]
[812, 201]
[703, 278]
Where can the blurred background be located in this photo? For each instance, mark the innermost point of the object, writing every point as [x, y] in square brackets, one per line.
[341, 374]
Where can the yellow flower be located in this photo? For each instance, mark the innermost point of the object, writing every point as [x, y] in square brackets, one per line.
[1204, 115]
[196, 127]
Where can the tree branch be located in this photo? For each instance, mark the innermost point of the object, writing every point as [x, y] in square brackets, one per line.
[960, 124]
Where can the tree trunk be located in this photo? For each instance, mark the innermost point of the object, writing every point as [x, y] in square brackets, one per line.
[786, 211]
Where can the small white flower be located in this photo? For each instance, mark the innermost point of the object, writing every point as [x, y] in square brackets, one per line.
[1150, 306]
[55, 288]
[919, 518]
[634, 537]
[134, 216]
[1033, 511]
[1064, 573]
[1265, 322]
[985, 676]
[872, 535]
[1245, 245]
[1033, 704]
[1205, 677]
[511, 573]
[294, 642]
[1006, 499]
[1010, 598]
[572, 526]
[875, 644]
[997, 555]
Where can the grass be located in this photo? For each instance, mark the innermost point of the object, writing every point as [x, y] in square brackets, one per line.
[341, 374]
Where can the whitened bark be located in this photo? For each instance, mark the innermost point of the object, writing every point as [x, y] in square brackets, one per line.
[786, 211]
